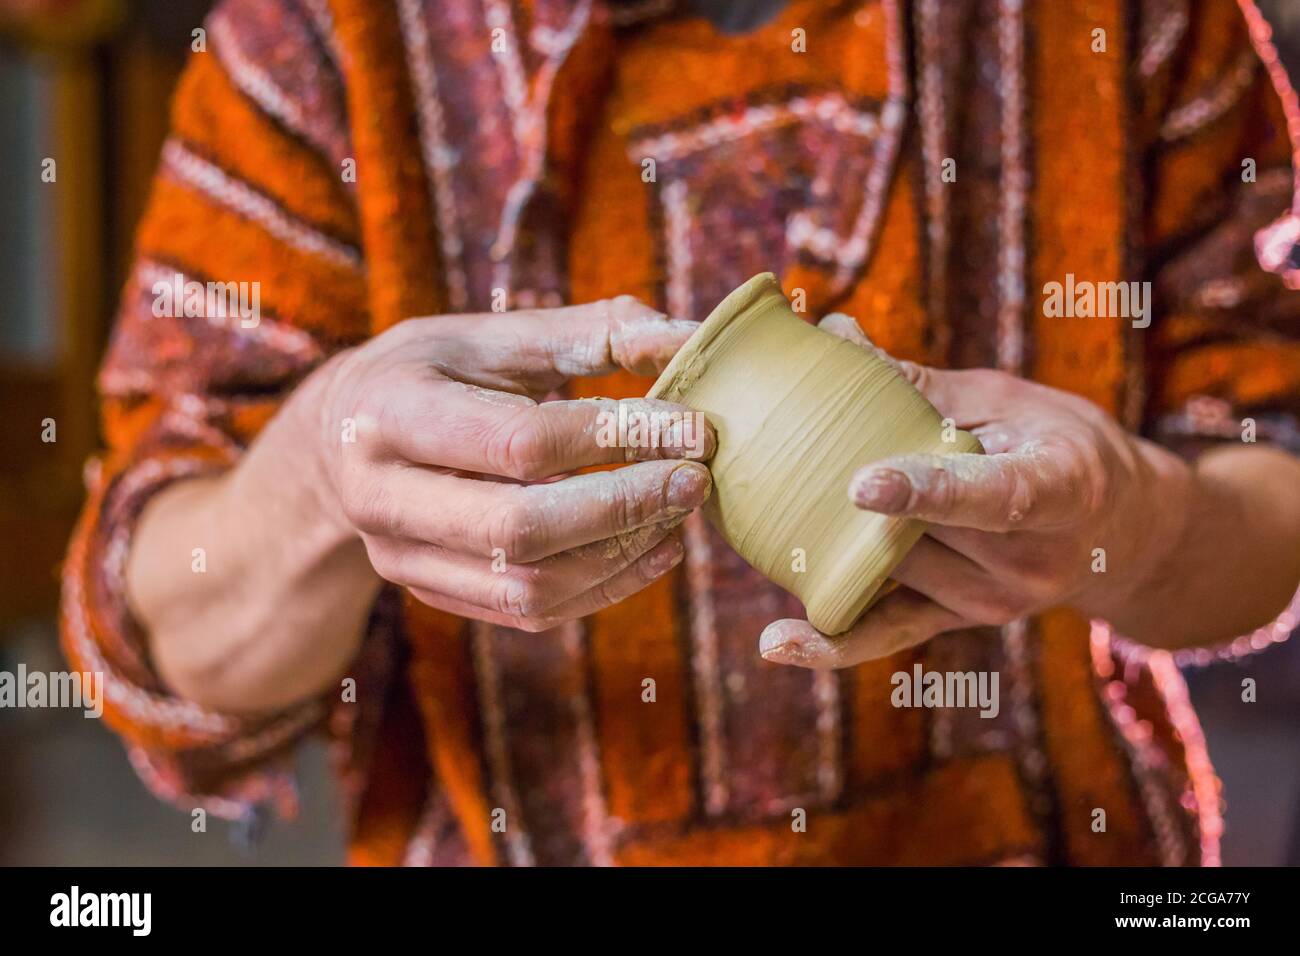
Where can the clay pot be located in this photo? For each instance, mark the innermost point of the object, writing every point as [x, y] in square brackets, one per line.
[797, 412]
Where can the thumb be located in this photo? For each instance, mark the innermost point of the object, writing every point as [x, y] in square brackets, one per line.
[846, 327]
[594, 338]
[935, 384]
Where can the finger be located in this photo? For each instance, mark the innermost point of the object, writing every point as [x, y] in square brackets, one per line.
[924, 378]
[545, 346]
[988, 492]
[970, 397]
[654, 564]
[955, 582]
[470, 428]
[846, 327]
[899, 620]
[979, 547]
[518, 590]
[658, 562]
[525, 523]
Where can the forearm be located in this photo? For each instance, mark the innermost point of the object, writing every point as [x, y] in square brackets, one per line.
[1235, 561]
[285, 587]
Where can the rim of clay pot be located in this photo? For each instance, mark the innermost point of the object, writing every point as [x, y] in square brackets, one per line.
[677, 375]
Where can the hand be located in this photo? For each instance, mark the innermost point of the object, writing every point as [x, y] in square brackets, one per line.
[1026, 527]
[453, 480]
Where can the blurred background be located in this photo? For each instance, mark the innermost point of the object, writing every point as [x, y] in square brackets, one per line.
[87, 82]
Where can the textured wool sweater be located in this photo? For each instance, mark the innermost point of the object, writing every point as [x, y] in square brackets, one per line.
[370, 160]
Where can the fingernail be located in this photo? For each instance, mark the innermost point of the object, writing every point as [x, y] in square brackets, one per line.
[783, 653]
[689, 486]
[666, 556]
[881, 489]
[777, 645]
[689, 436]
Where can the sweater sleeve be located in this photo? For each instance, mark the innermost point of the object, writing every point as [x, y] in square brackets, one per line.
[1223, 351]
[247, 274]
[1225, 345]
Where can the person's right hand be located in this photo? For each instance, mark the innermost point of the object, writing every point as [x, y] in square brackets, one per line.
[443, 457]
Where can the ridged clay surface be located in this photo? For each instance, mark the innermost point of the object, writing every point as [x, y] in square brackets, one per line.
[797, 412]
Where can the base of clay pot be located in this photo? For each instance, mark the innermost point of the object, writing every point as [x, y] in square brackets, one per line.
[797, 412]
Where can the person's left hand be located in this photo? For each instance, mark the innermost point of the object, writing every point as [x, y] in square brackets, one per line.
[1066, 508]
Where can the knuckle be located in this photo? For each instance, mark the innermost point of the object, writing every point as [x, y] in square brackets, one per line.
[373, 423]
[369, 507]
[513, 597]
[522, 449]
[621, 310]
[536, 625]
[357, 514]
[530, 590]
[1022, 501]
[515, 530]
[942, 491]
[623, 306]
[630, 503]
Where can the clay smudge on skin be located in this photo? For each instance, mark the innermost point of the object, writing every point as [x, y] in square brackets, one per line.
[779, 645]
[924, 473]
[921, 472]
[632, 543]
[649, 428]
[643, 345]
[493, 396]
[634, 337]
[570, 501]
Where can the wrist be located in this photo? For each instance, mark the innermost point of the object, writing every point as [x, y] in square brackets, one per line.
[291, 460]
[1151, 542]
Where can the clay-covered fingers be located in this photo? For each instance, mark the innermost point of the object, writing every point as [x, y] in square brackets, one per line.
[539, 348]
[618, 333]
[900, 620]
[475, 429]
[534, 591]
[654, 564]
[954, 580]
[524, 523]
[1036, 489]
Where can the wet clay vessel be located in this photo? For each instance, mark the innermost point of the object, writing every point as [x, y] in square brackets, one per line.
[797, 412]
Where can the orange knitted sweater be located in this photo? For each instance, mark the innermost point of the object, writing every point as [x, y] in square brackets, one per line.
[367, 162]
